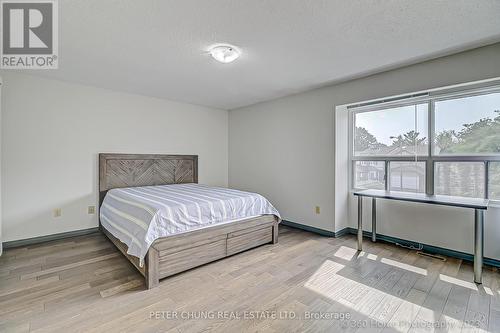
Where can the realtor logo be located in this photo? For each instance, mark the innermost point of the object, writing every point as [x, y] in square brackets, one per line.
[29, 34]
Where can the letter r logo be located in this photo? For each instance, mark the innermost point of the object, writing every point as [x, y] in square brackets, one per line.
[27, 27]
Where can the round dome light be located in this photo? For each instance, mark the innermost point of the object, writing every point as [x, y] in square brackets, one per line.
[224, 53]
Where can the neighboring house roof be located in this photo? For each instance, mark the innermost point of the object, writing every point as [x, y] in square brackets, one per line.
[382, 150]
[409, 168]
[366, 168]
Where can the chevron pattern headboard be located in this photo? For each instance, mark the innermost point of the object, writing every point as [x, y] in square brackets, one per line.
[130, 170]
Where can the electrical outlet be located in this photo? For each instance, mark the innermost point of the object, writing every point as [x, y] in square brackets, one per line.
[57, 212]
[317, 210]
[91, 210]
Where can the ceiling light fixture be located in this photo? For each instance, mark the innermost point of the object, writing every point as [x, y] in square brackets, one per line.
[224, 53]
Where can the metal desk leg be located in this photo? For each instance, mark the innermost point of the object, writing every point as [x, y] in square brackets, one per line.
[478, 245]
[374, 220]
[360, 223]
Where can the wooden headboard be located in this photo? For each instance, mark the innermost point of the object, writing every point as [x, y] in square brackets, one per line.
[130, 170]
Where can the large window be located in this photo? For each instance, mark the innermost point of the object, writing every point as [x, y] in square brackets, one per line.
[465, 179]
[494, 180]
[468, 125]
[369, 175]
[399, 131]
[442, 143]
[407, 176]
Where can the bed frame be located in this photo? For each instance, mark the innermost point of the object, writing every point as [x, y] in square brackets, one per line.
[177, 253]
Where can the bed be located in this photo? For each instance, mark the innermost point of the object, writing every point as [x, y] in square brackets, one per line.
[154, 211]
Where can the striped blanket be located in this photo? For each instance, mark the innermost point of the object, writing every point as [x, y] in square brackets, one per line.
[138, 216]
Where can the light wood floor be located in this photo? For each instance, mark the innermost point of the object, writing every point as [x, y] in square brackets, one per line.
[84, 284]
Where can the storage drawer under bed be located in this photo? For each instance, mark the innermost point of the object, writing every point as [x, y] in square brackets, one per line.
[179, 258]
[249, 238]
[176, 262]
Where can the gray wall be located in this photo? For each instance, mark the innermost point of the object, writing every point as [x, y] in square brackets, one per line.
[52, 132]
[1, 233]
[284, 149]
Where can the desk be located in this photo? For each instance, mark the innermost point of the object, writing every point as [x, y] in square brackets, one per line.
[479, 206]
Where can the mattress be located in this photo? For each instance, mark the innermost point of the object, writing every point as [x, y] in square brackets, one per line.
[138, 216]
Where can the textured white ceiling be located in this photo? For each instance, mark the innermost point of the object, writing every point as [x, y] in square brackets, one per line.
[157, 47]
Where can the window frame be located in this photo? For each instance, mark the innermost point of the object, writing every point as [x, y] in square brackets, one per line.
[353, 164]
[389, 179]
[487, 188]
[430, 159]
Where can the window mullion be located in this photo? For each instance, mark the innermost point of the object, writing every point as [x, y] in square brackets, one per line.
[429, 173]
[486, 179]
[387, 175]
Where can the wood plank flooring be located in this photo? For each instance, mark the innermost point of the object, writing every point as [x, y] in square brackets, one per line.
[306, 283]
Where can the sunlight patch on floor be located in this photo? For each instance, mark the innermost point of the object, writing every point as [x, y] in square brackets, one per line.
[487, 290]
[465, 284]
[348, 253]
[404, 266]
[369, 302]
[367, 255]
[458, 282]
[338, 283]
[325, 280]
[450, 324]
[473, 328]
[345, 253]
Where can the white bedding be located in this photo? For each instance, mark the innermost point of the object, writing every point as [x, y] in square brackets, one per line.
[138, 216]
